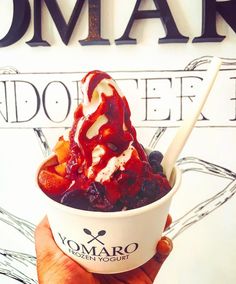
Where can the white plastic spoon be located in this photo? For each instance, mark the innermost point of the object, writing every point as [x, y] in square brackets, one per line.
[185, 129]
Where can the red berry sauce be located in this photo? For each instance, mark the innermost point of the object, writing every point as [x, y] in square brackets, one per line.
[133, 182]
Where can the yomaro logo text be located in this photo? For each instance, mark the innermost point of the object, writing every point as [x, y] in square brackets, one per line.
[95, 249]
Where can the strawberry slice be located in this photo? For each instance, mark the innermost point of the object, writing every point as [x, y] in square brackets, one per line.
[52, 183]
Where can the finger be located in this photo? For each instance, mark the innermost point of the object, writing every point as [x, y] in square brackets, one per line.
[152, 267]
[168, 222]
[43, 238]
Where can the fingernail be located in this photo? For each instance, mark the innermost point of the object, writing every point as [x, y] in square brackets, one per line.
[164, 246]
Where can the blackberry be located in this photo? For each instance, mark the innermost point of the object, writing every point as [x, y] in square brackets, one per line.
[97, 198]
[149, 189]
[156, 156]
[75, 198]
[119, 206]
[156, 166]
[142, 202]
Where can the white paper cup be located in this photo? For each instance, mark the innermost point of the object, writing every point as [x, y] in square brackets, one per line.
[110, 242]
